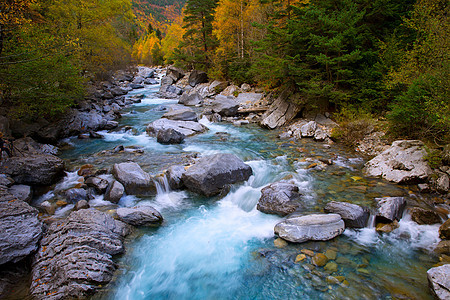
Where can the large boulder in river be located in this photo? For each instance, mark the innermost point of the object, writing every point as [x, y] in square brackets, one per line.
[225, 106]
[182, 114]
[19, 227]
[76, 255]
[315, 227]
[114, 192]
[439, 281]
[140, 216]
[280, 112]
[389, 209]
[170, 136]
[403, 162]
[174, 174]
[134, 179]
[281, 198]
[424, 216]
[197, 77]
[190, 99]
[354, 216]
[210, 174]
[33, 169]
[187, 128]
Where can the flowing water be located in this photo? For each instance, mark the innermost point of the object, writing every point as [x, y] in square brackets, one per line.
[223, 248]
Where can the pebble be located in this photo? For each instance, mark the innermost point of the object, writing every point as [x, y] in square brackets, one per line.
[280, 243]
[331, 254]
[331, 266]
[300, 258]
[319, 260]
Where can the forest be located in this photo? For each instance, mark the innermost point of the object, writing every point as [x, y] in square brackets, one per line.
[384, 60]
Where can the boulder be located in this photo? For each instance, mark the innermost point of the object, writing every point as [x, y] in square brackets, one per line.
[197, 77]
[309, 129]
[248, 99]
[22, 192]
[134, 179]
[281, 198]
[441, 183]
[354, 216]
[151, 81]
[28, 146]
[225, 106]
[245, 87]
[114, 192]
[183, 114]
[76, 255]
[439, 281]
[216, 87]
[389, 209]
[210, 174]
[230, 91]
[315, 227]
[188, 128]
[444, 230]
[170, 136]
[74, 195]
[117, 91]
[166, 80]
[279, 113]
[19, 226]
[38, 169]
[424, 216]
[138, 80]
[140, 216]
[175, 73]
[136, 86]
[6, 180]
[403, 162]
[99, 184]
[174, 174]
[82, 204]
[191, 99]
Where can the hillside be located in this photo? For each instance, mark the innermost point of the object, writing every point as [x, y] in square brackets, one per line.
[157, 12]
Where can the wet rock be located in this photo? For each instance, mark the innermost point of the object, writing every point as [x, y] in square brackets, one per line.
[439, 281]
[170, 136]
[184, 114]
[444, 230]
[99, 184]
[188, 128]
[19, 226]
[47, 207]
[140, 216]
[300, 257]
[320, 135]
[82, 204]
[76, 255]
[280, 243]
[316, 227]
[225, 106]
[33, 169]
[443, 247]
[308, 252]
[279, 113]
[403, 162]
[75, 194]
[279, 198]
[331, 267]
[21, 192]
[353, 215]
[174, 174]
[95, 135]
[387, 228]
[424, 216]
[134, 179]
[309, 129]
[197, 77]
[210, 174]
[114, 192]
[6, 180]
[191, 99]
[331, 254]
[389, 209]
[319, 260]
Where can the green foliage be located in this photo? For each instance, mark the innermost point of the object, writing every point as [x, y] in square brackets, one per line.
[433, 157]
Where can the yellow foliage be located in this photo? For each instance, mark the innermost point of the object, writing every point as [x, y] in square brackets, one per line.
[173, 38]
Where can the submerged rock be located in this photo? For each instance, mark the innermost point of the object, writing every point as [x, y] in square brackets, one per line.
[315, 227]
[76, 255]
[354, 216]
[281, 198]
[210, 174]
[403, 162]
[439, 281]
[134, 179]
[140, 216]
[389, 209]
[188, 128]
[19, 227]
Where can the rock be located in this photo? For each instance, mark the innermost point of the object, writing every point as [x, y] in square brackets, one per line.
[167, 81]
[95, 135]
[280, 243]
[444, 230]
[197, 77]
[300, 257]
[210, 174]
[114, 192]
[424, 216]
[82, 204]
[247, 100]
[319, 260]
[403, 162]
[279, 113]
[188, 128]
[175, 73]
[174, 174]
[134, 179]
[183, 114]
[279, 198]
[424, 188]
[320, 134]
[191, 99]
[315, 227]
[387, 228]
[308, 252]
[309, 129]
[27, 145]
[117, 91]
[76, 255]
[21, 192]
[170, 136]
[19, 226]
[138, 80]
[74, 195]
[442, 183]
[140, 216]
[230, 91]
[443, 247]
[439, 281]
[331, 254]
[99, 184]
[47, 207]
[225, 106]
[33, 169]
[389, 209]
[245, 87]
[6, 180]
[216, 87]
[354, 216]
[151, 81]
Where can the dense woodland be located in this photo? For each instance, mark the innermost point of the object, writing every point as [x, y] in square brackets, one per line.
[377, 59]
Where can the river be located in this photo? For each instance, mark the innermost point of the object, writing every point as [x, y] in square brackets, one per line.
[223, 248]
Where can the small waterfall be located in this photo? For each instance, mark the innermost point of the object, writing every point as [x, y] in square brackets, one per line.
[162, 184]
[371, 221]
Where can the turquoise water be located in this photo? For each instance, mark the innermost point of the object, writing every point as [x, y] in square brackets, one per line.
[223, 248]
